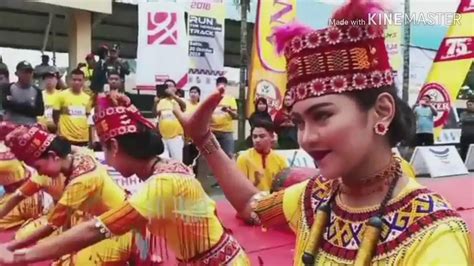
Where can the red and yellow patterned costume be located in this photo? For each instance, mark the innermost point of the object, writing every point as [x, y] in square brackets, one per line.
[172, 203]
[88, 189]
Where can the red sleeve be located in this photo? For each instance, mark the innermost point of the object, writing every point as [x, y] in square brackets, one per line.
[279, 118]
[58, 216]
[29, 188]
[122, 219]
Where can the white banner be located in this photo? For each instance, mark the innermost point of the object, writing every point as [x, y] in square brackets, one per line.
[131, 184]
[162, 50]
[437, 161]
[206, 20]
[297, 158]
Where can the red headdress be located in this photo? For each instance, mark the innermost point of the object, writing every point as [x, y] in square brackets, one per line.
[345, 57]
[28, 143]
[116, 116]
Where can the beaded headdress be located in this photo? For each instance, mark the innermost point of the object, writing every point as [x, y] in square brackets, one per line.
[348, 56]
[116, 116]
[29, 143]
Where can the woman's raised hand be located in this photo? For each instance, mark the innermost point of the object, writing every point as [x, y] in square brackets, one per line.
[196, 125]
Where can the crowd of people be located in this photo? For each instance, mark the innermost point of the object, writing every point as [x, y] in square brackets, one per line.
[361, 208]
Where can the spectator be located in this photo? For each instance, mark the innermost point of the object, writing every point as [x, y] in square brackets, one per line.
[88, 68]
[190, 151]
[114, 62]
[169, 127]
[99, 75]
[284, 126]
[4, 81]
[261, 164]
[40, 70]
[221, 123]
[425, 114]
[467, 127]
[50, 97]
[71, 111]
[260, 113]
[22, 101]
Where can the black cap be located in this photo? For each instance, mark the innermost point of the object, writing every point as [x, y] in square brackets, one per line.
[24, 65]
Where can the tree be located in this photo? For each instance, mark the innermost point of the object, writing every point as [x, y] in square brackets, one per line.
[244, 8]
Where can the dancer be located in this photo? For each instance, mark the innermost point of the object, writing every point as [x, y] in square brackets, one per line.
[362, 209]
[13, 175]
[88, 188]
[172, 203]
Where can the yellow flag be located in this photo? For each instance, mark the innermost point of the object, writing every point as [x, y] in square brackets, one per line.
[267, 69]
[451, 64]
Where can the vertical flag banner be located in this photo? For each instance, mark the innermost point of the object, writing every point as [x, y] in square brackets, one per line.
[206, 20]
[393, 40]
[451, 64]
[162, 50]
[268, 70]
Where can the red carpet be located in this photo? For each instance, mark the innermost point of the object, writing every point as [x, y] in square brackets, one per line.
[275, 247]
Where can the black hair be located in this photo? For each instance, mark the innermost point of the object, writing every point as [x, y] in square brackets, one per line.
[263, 123]
[77, 72]
[402, 127]
[145, 144]
[195, 88]
[4, 71]
[220, 80]
[261, 100]
[60, 146]
[171, 81]
[470, 100]
[113, 72]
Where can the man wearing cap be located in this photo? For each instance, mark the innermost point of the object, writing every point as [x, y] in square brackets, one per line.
[50, 98]
[116, 63]
[22, 101]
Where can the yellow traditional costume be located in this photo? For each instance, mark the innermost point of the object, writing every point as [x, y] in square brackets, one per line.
[413, 227]
[13, 174]
[88, 189]
[172, 203]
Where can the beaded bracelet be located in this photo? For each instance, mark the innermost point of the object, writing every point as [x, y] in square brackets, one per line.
[102, 228]
[208, 144]
[253, 202]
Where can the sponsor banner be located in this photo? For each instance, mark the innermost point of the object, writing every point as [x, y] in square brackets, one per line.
[437, 161]
[162, 50]
[451, 65]
[267, 73]
[469, 162]
[393, 40]
[206, 21]
[297, 158]
[449, 136]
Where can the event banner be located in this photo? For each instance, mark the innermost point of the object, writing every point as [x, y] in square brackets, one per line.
[206, 20]
[162, 50]
[451, 64]
[267, 69]
[393, 40]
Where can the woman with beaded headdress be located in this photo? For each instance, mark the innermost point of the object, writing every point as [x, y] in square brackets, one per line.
[87, 188]
[171, 203]
[362, 209]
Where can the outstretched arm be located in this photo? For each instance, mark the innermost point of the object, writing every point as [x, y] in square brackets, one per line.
[10, 203]
[237, 188]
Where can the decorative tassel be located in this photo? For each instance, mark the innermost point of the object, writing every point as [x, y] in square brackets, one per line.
[369, 242]
[321, 219]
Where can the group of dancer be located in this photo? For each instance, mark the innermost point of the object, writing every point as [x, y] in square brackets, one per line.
[361, 209]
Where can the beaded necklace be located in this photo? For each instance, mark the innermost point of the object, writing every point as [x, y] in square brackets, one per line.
[372, 231]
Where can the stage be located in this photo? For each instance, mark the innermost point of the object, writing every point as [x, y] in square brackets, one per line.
[275, 246]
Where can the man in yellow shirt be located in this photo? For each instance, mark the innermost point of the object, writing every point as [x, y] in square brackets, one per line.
[71, 111]
[261, 164]
[221, 123]
[50, 97]
[170, 128]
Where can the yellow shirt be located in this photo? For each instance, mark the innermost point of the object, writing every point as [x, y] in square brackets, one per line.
[90, 190]
[222, 121]
[168, 125]
[191, 107]
[74, 109]
[50, 100]
[11, 169]
[52, 186]
[261, 169]
[420, 227]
